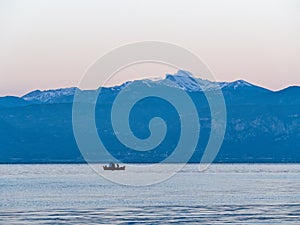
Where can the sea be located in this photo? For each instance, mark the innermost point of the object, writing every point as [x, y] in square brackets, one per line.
[222, 194]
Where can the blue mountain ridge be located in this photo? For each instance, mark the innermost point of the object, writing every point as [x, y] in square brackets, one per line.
[262, 125]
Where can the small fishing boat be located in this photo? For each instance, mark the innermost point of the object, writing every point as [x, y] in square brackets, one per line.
[113, 166]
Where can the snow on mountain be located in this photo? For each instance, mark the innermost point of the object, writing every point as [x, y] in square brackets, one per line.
[48, 96]
[186, 81]
[182, 79]
[235, 84]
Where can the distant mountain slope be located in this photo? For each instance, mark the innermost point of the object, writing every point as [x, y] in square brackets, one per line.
[61, 95]
[262, 125]
[287, 96]
[11, 101]
[182, 80]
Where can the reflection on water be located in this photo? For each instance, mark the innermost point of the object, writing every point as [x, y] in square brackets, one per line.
[74, 194]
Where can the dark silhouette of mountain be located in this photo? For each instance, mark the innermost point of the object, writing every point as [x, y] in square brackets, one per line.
[287, 96]
[262, 125]
[11, 101]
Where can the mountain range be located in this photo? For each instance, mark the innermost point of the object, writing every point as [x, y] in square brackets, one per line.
[262, 125]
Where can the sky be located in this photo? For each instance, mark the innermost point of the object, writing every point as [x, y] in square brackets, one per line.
[50, 44]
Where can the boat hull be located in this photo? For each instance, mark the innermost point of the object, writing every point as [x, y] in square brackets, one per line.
[113, 168]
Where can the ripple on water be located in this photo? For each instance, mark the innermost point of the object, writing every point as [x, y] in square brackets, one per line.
[254, 214]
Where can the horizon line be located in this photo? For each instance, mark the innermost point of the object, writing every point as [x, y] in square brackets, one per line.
[117, 85]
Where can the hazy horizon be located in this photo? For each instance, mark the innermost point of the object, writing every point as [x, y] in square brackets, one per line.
[50, 44]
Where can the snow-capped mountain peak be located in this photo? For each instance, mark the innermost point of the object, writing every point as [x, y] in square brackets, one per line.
[186, 81]
[47, 96]
[235, 84]
[183, 80]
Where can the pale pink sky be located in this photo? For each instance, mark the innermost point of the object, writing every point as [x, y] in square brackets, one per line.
[49, 44]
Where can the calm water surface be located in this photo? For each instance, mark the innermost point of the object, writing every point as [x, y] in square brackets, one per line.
[225, 193]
